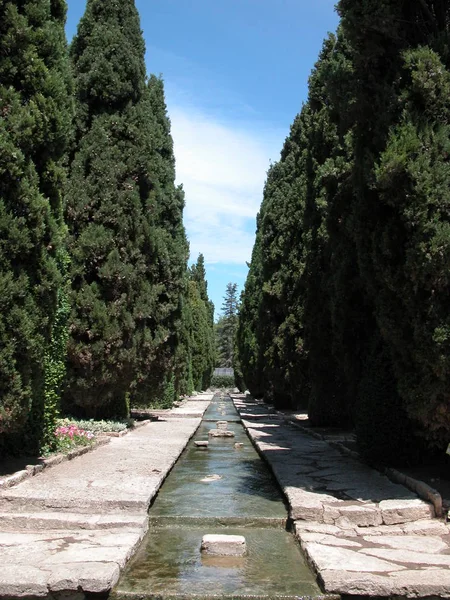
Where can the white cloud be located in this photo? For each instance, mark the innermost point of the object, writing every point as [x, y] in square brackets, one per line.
[223, 168]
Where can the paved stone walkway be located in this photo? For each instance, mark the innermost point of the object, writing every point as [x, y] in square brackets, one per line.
[363, 534]
[70, 529]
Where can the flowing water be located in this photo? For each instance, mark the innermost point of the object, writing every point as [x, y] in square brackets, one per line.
[222, 489]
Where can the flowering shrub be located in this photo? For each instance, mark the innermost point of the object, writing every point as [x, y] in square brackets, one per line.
[69, 436]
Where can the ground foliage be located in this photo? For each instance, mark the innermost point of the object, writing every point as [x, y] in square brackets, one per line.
[35, 129]
[345, 307]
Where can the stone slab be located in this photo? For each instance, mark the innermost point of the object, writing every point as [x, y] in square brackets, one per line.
[56, 520]
[336, 558]
[428, 545]
[409, 584]
[224, 545]
[91, 577]
[220, 433]
[362, 516]
[18, 582]
[121, 476]
[409, 557]
[201, 443]
[403, 511]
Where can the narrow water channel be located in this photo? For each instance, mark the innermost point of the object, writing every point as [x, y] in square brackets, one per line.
[225, 489]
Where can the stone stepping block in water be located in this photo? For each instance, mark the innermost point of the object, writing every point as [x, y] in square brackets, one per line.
[222, 425]
[201, 443]
[221, 433]
[224, 545]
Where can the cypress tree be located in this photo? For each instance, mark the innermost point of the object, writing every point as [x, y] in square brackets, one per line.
[270, 336]
[248, 347]
[398, 215]
[202, 352]
[330, 282]
[125, 217]
[165, 352]
[411, 276]
[35, 128]
[226, 327]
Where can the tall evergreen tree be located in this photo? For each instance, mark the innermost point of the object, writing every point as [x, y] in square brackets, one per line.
[399, 215]
[247, 341]
[202, 351]
[35, 127]
[161, 356]
[125, 217]
[227, 326]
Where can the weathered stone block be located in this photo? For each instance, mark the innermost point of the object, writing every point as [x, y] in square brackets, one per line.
[95, 577]
[362, 516]
[201, 443]
[222, 425]
[403, 511]
[220, 433]
[224, 545]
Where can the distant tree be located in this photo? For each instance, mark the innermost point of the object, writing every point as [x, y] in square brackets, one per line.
[226, 327]
[202, 352]
[247, 339]
[35, 129]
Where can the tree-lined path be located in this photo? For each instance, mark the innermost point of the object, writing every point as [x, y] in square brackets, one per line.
[75, 526]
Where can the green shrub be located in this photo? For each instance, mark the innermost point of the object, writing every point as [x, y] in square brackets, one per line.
[96, 426]
[222, 381]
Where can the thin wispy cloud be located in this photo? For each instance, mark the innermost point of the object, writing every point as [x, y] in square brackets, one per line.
[222, 166]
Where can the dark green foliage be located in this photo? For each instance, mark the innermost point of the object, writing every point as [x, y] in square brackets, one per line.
[329, 257]
[202, 352]
[167, 348]
[184, 384]
[250, 355]
[222, 381]
[401, 176]
[55, 357]
[226, 327]
[346, 301]
[237, 368]
[411, 275]
[124, 213]
[35, 127]
[384, 431]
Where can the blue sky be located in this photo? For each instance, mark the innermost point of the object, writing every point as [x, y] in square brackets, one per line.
[236, 74]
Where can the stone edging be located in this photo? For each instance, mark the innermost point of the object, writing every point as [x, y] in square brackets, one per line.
[126, 431]
[46, 463]
[423, 490]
